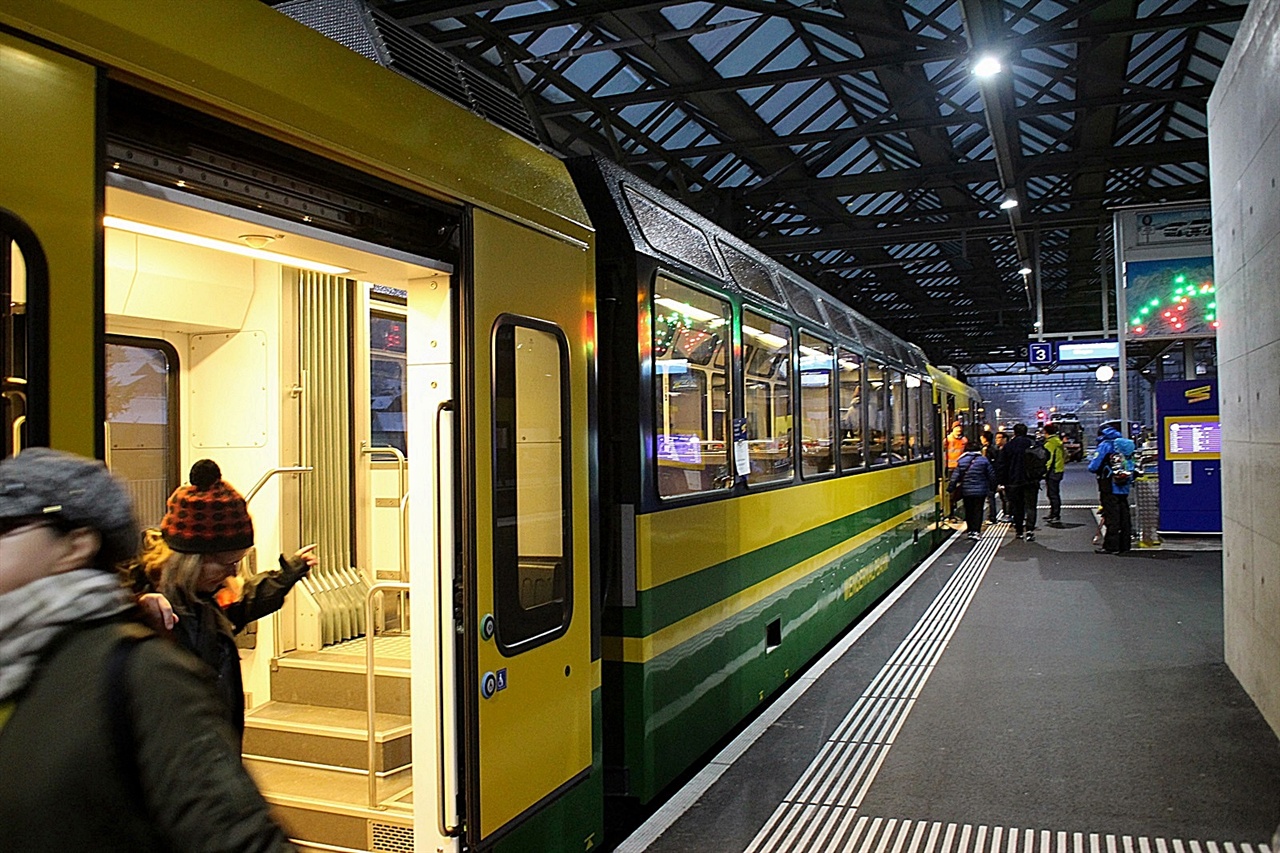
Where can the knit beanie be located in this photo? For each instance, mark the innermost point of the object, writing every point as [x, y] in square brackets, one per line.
[208, 515]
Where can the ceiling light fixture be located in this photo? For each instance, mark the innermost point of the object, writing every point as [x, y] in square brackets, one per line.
[1008, 202]
[219, 245]
[987, 66]
[1024, 270]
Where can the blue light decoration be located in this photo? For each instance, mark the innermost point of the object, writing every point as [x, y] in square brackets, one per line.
[1171, 298]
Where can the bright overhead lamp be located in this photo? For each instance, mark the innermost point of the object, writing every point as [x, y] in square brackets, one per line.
[219, 245]
[1008, 202]
[987, 66]
[1025, 270]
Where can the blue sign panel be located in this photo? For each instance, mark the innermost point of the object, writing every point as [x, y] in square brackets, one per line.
[1089, 351]
[1190, 444]
[1040, 354]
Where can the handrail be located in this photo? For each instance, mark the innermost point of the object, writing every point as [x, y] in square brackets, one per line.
[262, 481]
[369, 685]
[445, 830]
[17, 433]
[403, 465]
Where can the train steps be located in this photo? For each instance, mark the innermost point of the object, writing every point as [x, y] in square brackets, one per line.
[308, 748]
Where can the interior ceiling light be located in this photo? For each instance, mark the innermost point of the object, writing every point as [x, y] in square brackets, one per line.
[219, 245]
[257, 241]
[987, 66]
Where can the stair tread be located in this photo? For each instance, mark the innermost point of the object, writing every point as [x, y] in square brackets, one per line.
[292, 716]
[300, 784]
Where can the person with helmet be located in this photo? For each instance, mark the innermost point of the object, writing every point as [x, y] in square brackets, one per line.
[1114, 452]
[109, 739]
[193, 559]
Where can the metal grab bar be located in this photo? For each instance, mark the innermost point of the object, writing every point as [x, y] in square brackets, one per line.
[445, 829]
[403, 465]
[262, 481]
[17, 433]
[369, 686]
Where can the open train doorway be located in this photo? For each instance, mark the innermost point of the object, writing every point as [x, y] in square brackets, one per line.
[316, 370]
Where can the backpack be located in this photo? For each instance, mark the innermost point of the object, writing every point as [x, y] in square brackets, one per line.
[1118, 468]
[1035, 461]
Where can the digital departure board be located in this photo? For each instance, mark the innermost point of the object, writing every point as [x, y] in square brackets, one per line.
[1192, 438]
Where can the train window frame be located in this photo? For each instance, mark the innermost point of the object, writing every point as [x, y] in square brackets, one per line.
[520, 628]
[670, 460]
[33, 385]
[808, 338]
[380, 308]
[860, 440]
[775, 361]
[899, 431]
[925, 415]
[173, 388]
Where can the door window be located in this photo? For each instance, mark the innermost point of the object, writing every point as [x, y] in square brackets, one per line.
[142, 422]
[532, 534]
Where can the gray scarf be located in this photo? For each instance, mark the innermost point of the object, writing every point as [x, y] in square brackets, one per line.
[32, 615]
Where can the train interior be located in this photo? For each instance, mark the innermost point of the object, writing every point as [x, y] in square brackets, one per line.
[290, 357]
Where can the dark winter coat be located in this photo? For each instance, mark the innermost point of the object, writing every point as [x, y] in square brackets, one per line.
[69, 784]
[1011, 463]
[209, 631]
[974, 474]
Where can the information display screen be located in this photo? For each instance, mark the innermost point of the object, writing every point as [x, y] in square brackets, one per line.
[1192, 438]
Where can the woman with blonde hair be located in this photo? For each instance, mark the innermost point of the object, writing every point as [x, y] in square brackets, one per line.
[193, 560]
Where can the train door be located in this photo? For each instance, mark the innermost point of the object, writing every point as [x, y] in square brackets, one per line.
[48, 248]
[528, 675]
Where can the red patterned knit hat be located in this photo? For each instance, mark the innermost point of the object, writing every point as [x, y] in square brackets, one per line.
[207, 516]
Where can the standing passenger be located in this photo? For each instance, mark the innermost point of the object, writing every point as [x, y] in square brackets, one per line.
[955, 447]
[1020, 488]
[205, 534]
[974, 479]
[1118, 537]
[1053, 476]
[989, 450]
[109, 740]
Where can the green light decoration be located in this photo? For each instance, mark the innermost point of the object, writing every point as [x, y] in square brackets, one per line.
[1182, 311]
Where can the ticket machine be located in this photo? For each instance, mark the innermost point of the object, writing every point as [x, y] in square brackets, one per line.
[1190, 447]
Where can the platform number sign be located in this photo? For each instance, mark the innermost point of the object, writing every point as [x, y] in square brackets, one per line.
[1040, 354]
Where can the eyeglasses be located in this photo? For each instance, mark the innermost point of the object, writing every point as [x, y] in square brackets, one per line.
[15, 525]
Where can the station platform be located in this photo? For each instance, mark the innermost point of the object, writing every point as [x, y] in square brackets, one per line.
[1007, 697]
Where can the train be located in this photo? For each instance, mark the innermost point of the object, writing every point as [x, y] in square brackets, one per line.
[591, 478]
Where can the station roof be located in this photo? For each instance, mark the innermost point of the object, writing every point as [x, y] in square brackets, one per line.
[852, 141]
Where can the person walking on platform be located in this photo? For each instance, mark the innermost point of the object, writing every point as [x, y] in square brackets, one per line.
[109, 738]
[1112, 463]
[1021, 488]
[1053, 477]
[955, 447]
[973, 479]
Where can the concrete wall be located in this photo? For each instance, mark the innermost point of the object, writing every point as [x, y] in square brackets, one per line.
[1244, 160]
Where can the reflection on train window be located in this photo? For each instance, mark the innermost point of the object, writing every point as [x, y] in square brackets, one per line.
[850, 366]
[387, 366]
[691, 340]
[899, 450]
[532, 534]
[817, 368]
[766, 353]
[877, 413]
[927, 419]
[142, 439]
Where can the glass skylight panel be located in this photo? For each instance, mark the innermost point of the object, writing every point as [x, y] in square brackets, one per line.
[832, 44]
[685, 15]
[552, 40]
[519, 10]
[624, 81]
[852, 160]
[794, 55]
[746, 54]
[587, 71]
[818, 99]
[782, 97]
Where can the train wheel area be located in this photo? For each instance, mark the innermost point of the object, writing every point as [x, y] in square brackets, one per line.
[1009, 695]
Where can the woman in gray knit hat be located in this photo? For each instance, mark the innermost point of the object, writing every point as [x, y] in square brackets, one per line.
[109, 740]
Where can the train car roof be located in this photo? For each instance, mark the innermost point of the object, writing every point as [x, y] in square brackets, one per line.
[661, 227]
[249, 63]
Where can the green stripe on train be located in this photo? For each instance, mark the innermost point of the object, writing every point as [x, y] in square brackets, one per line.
[679, 704]
[667, 604]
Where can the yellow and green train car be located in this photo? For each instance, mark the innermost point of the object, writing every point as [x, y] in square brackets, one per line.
[590, 477]
[768, 470]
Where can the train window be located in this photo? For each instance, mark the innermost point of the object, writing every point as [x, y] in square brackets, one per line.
[899, 449]
[852, 457]
[532, 527]
[692, 335]
[766, 347]
[142, 421]
[877, 413]
[387, 367]
[923, 407]
[817, 369]
[23, 337]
